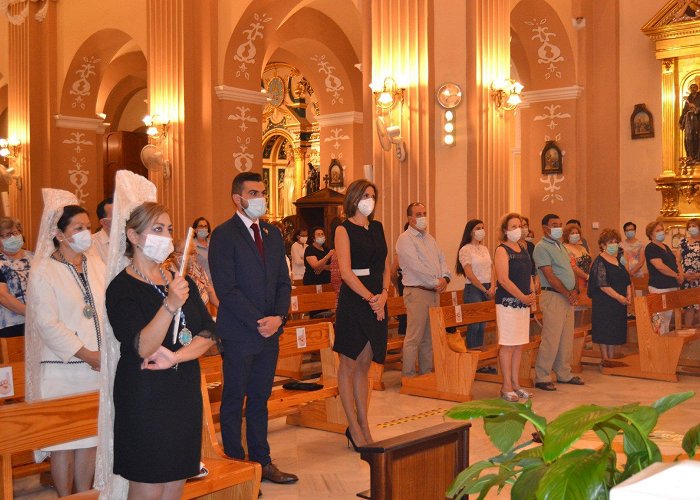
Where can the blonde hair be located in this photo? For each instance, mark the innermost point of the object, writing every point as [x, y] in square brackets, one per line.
[503, 226]
[141, 218]
[567, 231]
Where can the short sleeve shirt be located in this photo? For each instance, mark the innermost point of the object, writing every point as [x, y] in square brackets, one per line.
[552, 253]
[479, 258]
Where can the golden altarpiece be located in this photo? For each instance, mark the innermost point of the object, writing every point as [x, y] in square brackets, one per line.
[675, 29]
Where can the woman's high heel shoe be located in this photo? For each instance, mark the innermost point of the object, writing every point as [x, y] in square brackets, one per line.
[351, 440]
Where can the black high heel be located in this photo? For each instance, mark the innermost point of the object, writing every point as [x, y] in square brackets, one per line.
[351, 440]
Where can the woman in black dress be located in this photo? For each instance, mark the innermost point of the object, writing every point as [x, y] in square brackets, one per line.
[610, 292]
[158, 410]
[663, 269]
[317, 258]
[361, 327]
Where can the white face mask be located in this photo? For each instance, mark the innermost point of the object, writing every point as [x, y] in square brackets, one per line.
[321, 240]
[157, 248]
[479, 234]
[421, 223]
[574, 238]
[256, 208]
[303, 239]
[366, 206]
[81, 241]
[13, 244]
[514, 234]
[202, 233]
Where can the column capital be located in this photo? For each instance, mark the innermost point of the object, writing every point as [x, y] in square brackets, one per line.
[81, 123]
[228, 93]
[346, 118]
[556, 94]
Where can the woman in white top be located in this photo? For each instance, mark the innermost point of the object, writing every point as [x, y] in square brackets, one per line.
[299, 237]
[202, 230]
[633, 251]
[66, 304]
[475, 264]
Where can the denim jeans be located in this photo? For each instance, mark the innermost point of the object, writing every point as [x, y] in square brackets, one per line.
[475, 331]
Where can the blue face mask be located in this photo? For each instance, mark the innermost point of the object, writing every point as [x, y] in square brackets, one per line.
[630, 234]
[660, 236]
[694, 230]
[612, 248]
[556, 233]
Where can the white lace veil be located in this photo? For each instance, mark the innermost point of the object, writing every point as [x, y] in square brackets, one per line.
[54, 202]
[131, 190]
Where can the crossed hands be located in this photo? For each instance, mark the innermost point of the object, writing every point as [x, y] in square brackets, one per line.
[377, 303]
[162, 359]
[528, 300]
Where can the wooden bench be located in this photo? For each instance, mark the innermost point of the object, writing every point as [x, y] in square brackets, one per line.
[659, 356]
[319, 409]
[304, 289]
[11, 349]
[303, 304]
[30, 426]
[455, 366]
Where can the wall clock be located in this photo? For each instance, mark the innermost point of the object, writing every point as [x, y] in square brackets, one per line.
[275, 90]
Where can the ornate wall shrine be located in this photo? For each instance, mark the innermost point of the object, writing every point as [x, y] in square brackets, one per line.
[676, 32]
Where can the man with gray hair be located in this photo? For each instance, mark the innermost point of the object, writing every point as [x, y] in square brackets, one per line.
[425, 276]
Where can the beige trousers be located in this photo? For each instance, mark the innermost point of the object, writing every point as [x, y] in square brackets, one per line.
[418, 345]
[557, 338]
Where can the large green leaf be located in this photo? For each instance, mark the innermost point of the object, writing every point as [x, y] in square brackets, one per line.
[466, 479]
[606, 431]
[691, 440]
[505, 430]
[525, 487]
[577, 474]
[668, 402]
[644, 418]
[494, 408]
[570, 425]
[504, 474]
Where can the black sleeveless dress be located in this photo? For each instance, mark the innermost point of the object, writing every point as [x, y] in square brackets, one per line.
[356, 324]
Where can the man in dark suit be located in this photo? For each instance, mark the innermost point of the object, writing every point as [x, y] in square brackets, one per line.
[251, 279]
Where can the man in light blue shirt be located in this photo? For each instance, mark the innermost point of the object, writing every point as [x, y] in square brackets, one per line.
[559, 294]
[425, 277]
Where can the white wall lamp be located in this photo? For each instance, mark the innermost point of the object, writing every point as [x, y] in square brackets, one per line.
[386, 98]
[505, 94]
[157, 126]
[9, 150]
[448, 96]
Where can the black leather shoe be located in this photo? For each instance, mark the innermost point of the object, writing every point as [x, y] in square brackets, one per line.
[271, 473]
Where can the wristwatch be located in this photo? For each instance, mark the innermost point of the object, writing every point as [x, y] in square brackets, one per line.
[447, 278]
[283, 317]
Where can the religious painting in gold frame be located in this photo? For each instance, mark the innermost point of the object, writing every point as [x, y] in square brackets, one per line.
[552, 159]
[641, 122]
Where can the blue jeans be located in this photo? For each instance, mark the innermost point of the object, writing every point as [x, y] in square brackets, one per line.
[475, 331]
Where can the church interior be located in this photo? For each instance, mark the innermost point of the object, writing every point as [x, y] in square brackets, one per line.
[473, 108]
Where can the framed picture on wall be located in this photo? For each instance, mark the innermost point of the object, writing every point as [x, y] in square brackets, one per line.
[641, 122]
[552, 159]
[335, 173]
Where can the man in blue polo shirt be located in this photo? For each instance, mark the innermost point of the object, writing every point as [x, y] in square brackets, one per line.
[559, 294]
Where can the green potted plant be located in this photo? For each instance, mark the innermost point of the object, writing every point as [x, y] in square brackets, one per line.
[546, 466]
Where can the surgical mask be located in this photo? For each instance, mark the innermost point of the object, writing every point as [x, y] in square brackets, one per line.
[366, 206]
[660, 236]
[81, 241]
[202, 233]
[479, 234]
[612, 248]
[574, 238]
[256, 208]
[694, 230]
[320, 241]
[157, 248]
[630, 234]
[13, 244]
[514, 234]
[556, 233]
[303, 239]
[421, 223]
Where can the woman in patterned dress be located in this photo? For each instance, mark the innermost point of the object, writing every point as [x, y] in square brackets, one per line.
[690, 264]
[15, 263]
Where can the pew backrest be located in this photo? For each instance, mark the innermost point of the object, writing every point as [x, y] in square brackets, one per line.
[308, 302]
[304, 289]
[11, 349]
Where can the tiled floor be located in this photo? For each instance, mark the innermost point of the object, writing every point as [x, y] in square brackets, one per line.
[328, 469]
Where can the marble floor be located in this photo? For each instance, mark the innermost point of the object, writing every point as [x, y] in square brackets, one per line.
[328, 469]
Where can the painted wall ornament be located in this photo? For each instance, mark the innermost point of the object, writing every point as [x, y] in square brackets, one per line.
[548, 53]
[247, 51]
[18, 19]
[241, 160]
[77, 176]
[243, 117]
[81, 88]
[551, 187]
[333, 84]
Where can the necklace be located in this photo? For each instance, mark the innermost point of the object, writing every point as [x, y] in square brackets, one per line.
[366, 225]
[84, 285]
[185, 335]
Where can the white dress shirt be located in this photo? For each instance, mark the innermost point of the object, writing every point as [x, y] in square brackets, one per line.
[100, 245]
[421, 260]
[298, 267]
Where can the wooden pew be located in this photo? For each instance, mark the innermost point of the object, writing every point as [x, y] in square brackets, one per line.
[659, 355]
[304, 289]
[302, 304]
[455, 366]
[320, 409]
[11, 349]
[35, 425]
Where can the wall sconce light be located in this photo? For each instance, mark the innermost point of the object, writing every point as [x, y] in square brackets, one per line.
[9, 148]
[388, 96]
[506, 94]
[157, 126]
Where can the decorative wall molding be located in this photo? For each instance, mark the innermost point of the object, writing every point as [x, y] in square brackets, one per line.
[81, 123]
[556, 94]
[345, 118]
[19, 19]
[228, 93]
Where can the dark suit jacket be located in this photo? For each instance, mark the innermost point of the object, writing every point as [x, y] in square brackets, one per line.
[248, 288]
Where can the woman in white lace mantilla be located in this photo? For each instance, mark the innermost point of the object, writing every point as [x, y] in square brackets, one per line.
[65, 306]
